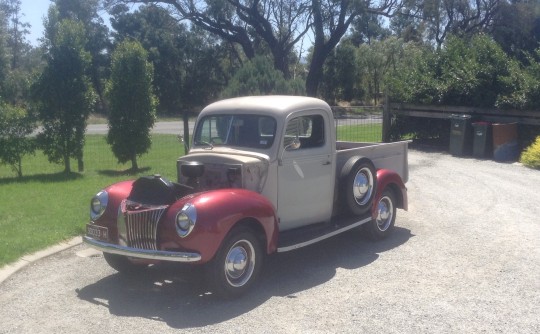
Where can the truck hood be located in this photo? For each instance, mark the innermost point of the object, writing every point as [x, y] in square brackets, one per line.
[227, 168]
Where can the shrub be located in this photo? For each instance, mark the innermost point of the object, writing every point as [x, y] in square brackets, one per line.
[16, 126]
[531, 156]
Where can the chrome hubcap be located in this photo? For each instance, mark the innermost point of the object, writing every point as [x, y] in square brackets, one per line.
[363, 186]
[239, 263]
[385, 212]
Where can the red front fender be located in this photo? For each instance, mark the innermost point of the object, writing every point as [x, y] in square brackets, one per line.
[218, 212]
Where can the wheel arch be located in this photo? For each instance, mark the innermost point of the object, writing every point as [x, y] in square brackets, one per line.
[256, 227]
[390, 179]
[218, 213]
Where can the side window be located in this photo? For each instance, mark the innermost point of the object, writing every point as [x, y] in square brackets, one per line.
[308, 129]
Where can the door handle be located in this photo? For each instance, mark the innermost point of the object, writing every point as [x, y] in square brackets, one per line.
[326, 163]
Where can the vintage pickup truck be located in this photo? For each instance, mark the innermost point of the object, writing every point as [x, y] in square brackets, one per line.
[264, 174]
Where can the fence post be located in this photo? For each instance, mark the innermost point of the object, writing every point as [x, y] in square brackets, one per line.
[387, 120]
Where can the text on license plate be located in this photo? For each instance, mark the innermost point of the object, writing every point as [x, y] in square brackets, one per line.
[97, 232]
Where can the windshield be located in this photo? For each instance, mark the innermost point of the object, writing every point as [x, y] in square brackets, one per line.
[253, 131]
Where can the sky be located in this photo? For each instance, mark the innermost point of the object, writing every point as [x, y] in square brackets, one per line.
[34, 11]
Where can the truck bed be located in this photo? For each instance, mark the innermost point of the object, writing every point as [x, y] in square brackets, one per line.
[392, 156]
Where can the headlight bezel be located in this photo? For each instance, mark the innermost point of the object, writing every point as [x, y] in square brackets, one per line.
[98, 205]
[185, 220]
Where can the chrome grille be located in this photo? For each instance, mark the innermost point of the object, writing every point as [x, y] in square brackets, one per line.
[137, 224]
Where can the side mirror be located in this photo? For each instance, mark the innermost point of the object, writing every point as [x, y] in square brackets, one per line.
[294, 145]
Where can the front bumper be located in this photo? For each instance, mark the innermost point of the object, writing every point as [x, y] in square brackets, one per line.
[142, 253]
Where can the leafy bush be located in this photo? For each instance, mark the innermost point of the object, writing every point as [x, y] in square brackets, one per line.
[465, 72]
[16, 126]
[531, 156]
[523, 85]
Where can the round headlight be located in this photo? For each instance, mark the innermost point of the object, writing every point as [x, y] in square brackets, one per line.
[185, 220]
[98, 204]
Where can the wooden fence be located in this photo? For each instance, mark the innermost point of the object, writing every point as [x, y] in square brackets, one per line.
[446, 112]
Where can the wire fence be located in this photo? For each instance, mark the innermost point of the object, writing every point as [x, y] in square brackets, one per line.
[359, 124]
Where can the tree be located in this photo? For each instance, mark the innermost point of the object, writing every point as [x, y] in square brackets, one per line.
[97, 40]
[17, 29]
[132, 103]
[340, 74]
[367, 28]
[63, 93]
[457, 17]
[259, 77]
[375, 61]
[17, 54]
[331, 20]
[516, 27]
[181, 57]
[280, 25]
[16, 126]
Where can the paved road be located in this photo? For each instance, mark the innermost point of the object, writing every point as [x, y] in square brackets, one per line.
[464, 259]
[175, 128]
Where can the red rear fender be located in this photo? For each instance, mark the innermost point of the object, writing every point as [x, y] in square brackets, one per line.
[390, 179]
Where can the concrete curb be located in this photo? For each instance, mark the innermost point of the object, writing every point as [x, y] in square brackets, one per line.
[10, 269]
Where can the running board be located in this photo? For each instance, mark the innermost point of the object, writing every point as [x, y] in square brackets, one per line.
[305, 236]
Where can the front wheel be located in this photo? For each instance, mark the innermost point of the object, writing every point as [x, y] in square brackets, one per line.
[383, 225]
[236, 265]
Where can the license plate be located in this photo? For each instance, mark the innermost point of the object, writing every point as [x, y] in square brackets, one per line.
[97, 232]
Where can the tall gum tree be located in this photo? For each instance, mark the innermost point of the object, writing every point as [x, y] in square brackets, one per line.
[282, 25]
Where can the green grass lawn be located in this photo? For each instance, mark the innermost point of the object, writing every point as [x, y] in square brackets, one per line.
[47, 206]
[360, 133]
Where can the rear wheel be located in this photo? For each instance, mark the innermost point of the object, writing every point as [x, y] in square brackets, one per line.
[236, 265]
[383, 225]
[122, 264]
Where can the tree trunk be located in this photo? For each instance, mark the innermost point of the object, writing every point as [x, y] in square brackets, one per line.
[315, 71]
[134, 166]
[67, 164]
[80, 164]
[19, 170]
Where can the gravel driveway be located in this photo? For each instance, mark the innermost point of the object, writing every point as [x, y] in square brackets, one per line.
[465, 258]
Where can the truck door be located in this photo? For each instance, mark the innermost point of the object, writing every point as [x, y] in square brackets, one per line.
[306, 174]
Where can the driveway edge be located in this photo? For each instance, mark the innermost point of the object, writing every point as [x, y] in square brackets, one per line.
[10, 269]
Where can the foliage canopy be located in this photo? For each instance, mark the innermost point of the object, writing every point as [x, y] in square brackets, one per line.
[132, 102]
[63, 93]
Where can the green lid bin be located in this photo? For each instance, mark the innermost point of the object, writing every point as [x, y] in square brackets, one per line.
[460, 135]
[482, 142]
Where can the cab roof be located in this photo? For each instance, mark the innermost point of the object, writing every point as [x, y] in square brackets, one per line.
[275, 105]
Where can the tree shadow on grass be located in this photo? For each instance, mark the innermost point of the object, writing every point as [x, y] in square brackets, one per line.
[127, 172]
[43, 178]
